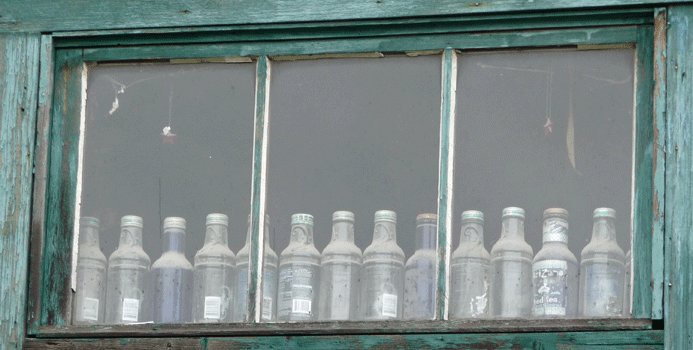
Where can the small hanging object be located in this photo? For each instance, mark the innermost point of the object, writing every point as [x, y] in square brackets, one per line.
[548, 127]
[115, 106]
[168, 135]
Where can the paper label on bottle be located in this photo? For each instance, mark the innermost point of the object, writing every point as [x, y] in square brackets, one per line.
[603, 291]
[389, 305]
[212, 308]
[266, 308]
[301, 306]
[550, 286]
[131, 309]
[90, 309]
[295, 286]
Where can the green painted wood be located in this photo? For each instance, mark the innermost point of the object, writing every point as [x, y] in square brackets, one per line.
[643, 168]
[45, 93]
[445, 177]
[18, 90]
[351, 29]
[659, 112]
[117, 343]
[380, 44]
[678, 210]
[71, 15]
[258, 194]
[56, 263]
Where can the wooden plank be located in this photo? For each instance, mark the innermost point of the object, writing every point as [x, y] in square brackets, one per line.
[539, 38]
[343, 328]
[19, 66]
[659, 112]
[643, 168]
[72, 15]
[678, 210]
[38, 210]
[56, 294]
[118, 343]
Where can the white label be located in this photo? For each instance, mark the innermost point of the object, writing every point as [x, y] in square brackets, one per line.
[213, 307]
[131, 309]
[266, 308]
[301, 306]
[390, 305]
[90, 309]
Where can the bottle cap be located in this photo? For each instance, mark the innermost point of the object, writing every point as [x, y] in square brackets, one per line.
[604, 213]
[427, 217]
[473, 216]
[174, 222]
[131, 220]
[386, 215]
[306, 219]
[88, 221]
[343, 215]
[217, 219]
[556, 212]
[514, 212]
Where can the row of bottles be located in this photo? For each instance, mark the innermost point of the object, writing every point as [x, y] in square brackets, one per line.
[344, 284]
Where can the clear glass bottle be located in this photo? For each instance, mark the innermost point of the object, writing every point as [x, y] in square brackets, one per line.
[172, 277]
[602, 269]
[299, 273]
[127, 269]
[420, 271]
[214, 274]
[340, 272]
[555, 270]
[627, 289]
[471, 267]
[511, 268]
[383, 271]
[89, 301]
[269, 281]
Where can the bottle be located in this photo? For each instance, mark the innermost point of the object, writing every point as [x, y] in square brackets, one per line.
[471, 267]
[627, 292]
[171, 277]
[340, 272]
[383, 271]
[299, 273]
[420, 271]
[511, 268]
[555, 269]
[269, 280]
[89, 300]
[602, 269]
[127, 269]
[214, 274]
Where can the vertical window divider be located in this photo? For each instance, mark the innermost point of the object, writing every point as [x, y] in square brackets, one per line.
[259, 188]
[445, 181]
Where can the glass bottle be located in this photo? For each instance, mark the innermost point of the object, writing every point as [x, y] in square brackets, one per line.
[340, 272]
[511, 268]
[471, 266]
[214, 274]
[555, 269]
[383, 271]
[269, 281]
[299, 273]
[602, 269]
[627, 292]
[89, 300]
[127, 269]
[420, 271]
[172, 277]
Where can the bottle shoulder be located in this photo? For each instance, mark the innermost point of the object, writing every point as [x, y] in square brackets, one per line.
[215, 250]
[603, 248]
[129, 253]
[555, 251]
[476, 251]
[388, 249]
[422, 256]
[92, 253]
[341, 248]
[511, 245]
[172, 260]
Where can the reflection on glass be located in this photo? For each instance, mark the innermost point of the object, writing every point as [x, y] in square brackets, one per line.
[420, 271]
[89, 300]
[470, 270]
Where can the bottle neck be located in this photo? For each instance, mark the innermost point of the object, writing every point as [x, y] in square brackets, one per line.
[89, 237]
[384, 231]
[513, 228]
[472, 233]
[130, 236]
[216, 234]
[604, 229]
[426, 235]
[343, 231]
[174, 240]
[555, 230]
[301, 234]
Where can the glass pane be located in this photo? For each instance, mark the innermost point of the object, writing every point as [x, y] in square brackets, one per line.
[164, 146]
[353, 160]
[544, 151]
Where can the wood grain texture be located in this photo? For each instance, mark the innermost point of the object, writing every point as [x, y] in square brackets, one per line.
[118, 343]
[19, 62]
[678, 318]
[71, 15]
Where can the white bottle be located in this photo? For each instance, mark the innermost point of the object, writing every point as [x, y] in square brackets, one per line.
[90, 296]
[471, 266]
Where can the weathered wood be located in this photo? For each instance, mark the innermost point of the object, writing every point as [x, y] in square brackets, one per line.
[45, 94]
[342, 328]
[19, 63]
[678, 210]
[119, 343]
[71, 15]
